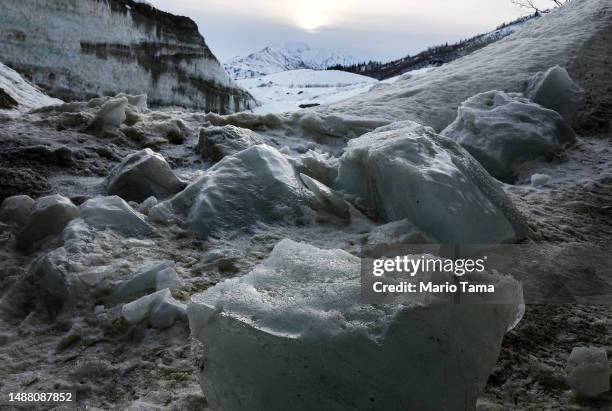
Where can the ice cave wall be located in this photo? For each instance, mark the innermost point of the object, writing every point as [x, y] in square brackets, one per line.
[78, 49]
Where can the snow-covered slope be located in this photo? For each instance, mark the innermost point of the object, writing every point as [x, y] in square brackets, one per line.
[77, 49]
[559, 38]
[287, 91]
[15, 91]
[437, 55]
[292, 56]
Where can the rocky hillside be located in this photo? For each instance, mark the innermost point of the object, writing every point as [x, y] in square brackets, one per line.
[78, 49]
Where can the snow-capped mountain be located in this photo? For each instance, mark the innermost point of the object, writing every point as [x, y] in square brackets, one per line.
[291, 56]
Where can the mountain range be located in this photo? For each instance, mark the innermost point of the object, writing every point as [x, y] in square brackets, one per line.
[291, 56]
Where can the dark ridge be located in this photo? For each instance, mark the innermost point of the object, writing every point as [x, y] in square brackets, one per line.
[6, 101]
[432, 57]
[164, 24]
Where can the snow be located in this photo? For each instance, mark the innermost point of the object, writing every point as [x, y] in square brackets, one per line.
[276, 59]
[555, 89]
[16, 209]
[504, 130]
[286, 91]
[142, 175]
[115, 214]
[49, 216]
[24, 93]
[588, 371]
[298, 319]
[406, 171]
[255, 185]
[508, 65]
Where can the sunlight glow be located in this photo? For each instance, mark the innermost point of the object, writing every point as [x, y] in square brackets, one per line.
[310, 18]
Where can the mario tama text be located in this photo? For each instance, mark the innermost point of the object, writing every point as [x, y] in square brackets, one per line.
[397, 275]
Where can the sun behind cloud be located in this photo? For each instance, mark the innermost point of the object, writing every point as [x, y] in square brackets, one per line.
[311, 15]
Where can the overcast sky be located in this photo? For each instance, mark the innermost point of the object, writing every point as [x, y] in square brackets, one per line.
[365, 29]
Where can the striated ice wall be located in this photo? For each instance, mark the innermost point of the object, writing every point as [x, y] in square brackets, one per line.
[77, 49]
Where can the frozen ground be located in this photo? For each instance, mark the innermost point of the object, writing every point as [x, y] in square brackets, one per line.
[286, 91]
[117, 365]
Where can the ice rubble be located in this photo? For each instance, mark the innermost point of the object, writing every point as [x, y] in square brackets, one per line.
[540, 180]
[115, 214]
[406, 171]
[325, 199]
[110, 115]
[218, 142]
[141, 175]
[161, 309]
[504, 130]
[50, 279]
[588, 371]
[555, 90]
[307, 123]
[398, 232]
[49, 216]
[16, 209]
[256, 185]
[298, 320]
[154, 276]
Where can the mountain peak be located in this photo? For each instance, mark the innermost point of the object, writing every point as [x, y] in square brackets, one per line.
[278, 58]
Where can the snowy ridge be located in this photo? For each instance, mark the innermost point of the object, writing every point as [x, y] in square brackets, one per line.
[437, 55]
[504, 65]
[292, 56]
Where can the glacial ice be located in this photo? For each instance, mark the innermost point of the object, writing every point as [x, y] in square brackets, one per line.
[138, 102]
[256, 185]
[398, 232]
[293, 331]
[161, 309]
[49, 216]
[16, 209]
[111, 115]
[155, 276]
[555, 90]
[217, 142]
[146, 206]
[588, 371]
[406, 171]
[141, 175]
[539, 180]
[27, 95]
[504, 130]
[115, 214]
[307, 123]
[50, 279]
[325, 199]
[323, 167]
